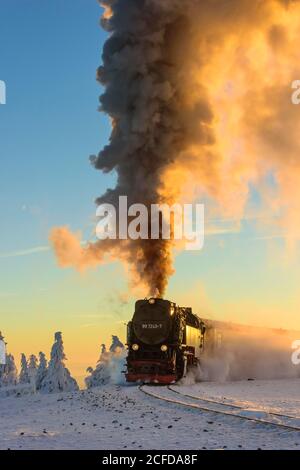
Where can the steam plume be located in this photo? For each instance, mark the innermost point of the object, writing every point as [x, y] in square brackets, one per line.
[246, 352]
[200, 91]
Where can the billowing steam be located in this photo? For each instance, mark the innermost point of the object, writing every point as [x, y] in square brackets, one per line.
[245, 352]
[198, 92]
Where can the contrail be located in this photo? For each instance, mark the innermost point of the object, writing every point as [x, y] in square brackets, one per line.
[29, 251]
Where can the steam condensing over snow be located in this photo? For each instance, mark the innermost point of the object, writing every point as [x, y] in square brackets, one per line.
[245, 352]
[109, 366]
[198, 96]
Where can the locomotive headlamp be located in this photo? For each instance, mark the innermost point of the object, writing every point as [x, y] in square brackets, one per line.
[135, 347]
[152, 301]
[164, 347]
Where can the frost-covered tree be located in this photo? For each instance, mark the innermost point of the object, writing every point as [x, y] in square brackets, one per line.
[24, 376]
[10, 376]
[33, 363]
[2, 371]
[41, 371]
[2, 358]
[58, 377]
[115, 344]
[32, 370]
[109, 366]
[100, 375]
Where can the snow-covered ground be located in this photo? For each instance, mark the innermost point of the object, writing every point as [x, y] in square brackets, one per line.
[122, 417]
[280, 396]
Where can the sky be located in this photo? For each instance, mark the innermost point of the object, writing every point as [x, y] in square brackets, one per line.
[50, 125]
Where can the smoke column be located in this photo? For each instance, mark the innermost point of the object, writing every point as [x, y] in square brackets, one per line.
[199, 92]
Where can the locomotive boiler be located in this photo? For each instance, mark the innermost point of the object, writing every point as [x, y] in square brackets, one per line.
[163, 341]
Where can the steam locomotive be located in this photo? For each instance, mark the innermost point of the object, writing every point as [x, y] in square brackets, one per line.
[163, 341]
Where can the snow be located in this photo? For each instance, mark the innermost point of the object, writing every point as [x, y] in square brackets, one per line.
[16, 390]
[122, 417]
[280, 396]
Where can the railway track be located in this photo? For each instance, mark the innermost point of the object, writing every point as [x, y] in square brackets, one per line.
[236, 407]
[267, 418]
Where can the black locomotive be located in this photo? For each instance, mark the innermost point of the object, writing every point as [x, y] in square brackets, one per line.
[163, 341]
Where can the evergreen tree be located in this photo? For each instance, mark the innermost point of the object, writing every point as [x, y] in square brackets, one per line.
[116, 344]
[32, 370]
[100, 375]
[109, 365]
[24, 376]
[2, 372]
[41, 371]
[2, 357]
[58, 377]
[10, 376]
[33, 363]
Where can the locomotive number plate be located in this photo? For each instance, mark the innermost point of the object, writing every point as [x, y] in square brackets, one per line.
[152, 326]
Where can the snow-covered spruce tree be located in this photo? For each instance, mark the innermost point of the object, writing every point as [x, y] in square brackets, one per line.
[115, 344]
[33, 363]
[32, 370]
[41, 371]
[2, 372]
[109, 365]
[2, 366]
[10, 376]
[24, 376]
[58, 377]
[100, 375]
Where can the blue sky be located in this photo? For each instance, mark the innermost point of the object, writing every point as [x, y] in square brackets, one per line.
[49, 53]
[50, 125]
